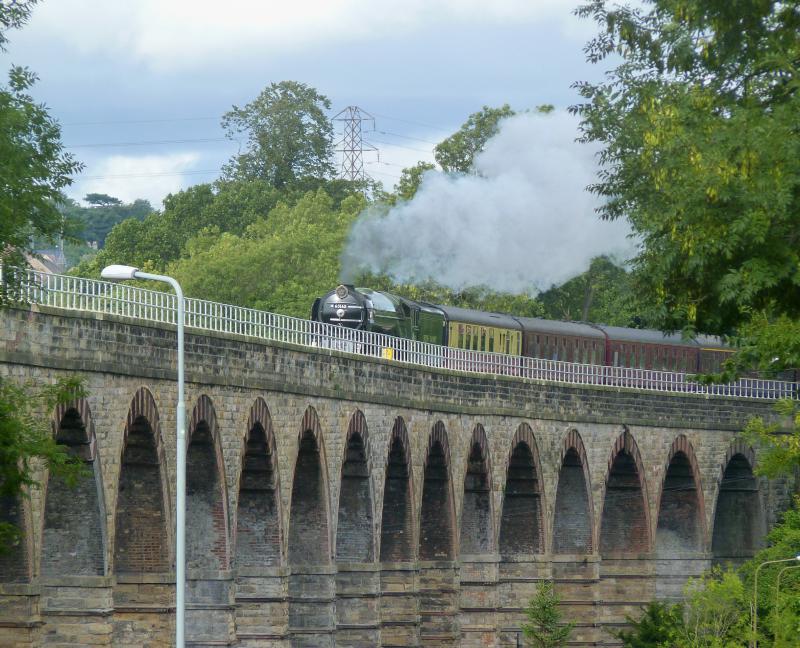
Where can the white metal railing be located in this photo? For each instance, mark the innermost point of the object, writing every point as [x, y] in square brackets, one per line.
[90, 295]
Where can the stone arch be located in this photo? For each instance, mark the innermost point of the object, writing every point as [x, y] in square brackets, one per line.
[309, 526]
[355, 539]
[477, 518]
[522, 520]
[397, 520]
[437, 515]
[680, 527]
[258, 539]
[625, 518]
[73, 530]
[573, 517]
[206, 501]
[738, 515]
[142, 537]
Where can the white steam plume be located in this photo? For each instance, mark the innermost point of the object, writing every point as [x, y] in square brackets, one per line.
[524, 223]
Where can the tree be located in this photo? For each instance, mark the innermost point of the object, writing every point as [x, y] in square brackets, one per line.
[34, 168]
[101, 200]
[716, 611]
[700, 153]
[281, 263]
[658, 627]
[602, 294]
[456, 153]
[288, 136]
[410, 179]
[13, 15]
[92, 224]
[545, 628]
[27, 443]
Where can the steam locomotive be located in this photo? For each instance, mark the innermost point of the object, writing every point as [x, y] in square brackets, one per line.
[461, 328]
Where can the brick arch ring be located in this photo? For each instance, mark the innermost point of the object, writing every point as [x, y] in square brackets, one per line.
[573, 441]
[439, 435]
[737, 447]
[204, 412]
[625, 442]
[681, 444]
[400, 433]
[143, 405]
[81, 406]
[259, 415]
[480, 439]
[358, 425]
[524, 434]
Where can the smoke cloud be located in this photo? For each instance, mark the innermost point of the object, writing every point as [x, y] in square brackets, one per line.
[524, 223]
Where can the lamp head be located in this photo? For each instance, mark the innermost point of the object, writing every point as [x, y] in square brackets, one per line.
[119, 272]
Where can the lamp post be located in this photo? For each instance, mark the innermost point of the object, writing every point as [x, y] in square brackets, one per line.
[121, 273]
[754, 642]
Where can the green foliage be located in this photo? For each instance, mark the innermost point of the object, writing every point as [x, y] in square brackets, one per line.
[288, 136]
[456, 153]
[545, 628]
[409, 182]
[603, 294]
[94, 223]
[12, 16]
[779, 443]
[101, 200]
[34, 168]
[280, 263]
[26, 441]
[782, 542]
[701, 154]
[714, 614]
[659, 627]
[162, 236]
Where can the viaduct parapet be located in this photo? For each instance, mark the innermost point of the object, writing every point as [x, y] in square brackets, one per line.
[335, 500]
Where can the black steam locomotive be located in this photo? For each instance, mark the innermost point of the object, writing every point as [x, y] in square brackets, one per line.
[460, 328]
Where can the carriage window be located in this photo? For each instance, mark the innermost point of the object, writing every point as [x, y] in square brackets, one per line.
[491, 342]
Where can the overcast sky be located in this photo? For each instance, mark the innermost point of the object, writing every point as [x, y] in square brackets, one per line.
[137, 84]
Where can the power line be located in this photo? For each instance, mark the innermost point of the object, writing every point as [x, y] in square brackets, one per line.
[141, 121]
[408, 137]
[155, 174]
[150, 142]
[416, 123]
[408, 148]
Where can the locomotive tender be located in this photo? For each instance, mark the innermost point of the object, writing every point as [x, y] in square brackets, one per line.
[461, 328]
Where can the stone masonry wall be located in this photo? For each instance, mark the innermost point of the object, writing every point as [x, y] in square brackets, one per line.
[310, 590]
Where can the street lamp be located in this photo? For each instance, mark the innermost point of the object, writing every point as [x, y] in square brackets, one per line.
[754, 642]
[121, 273]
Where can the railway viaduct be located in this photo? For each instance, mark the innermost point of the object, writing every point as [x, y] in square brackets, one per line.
[340, 501]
